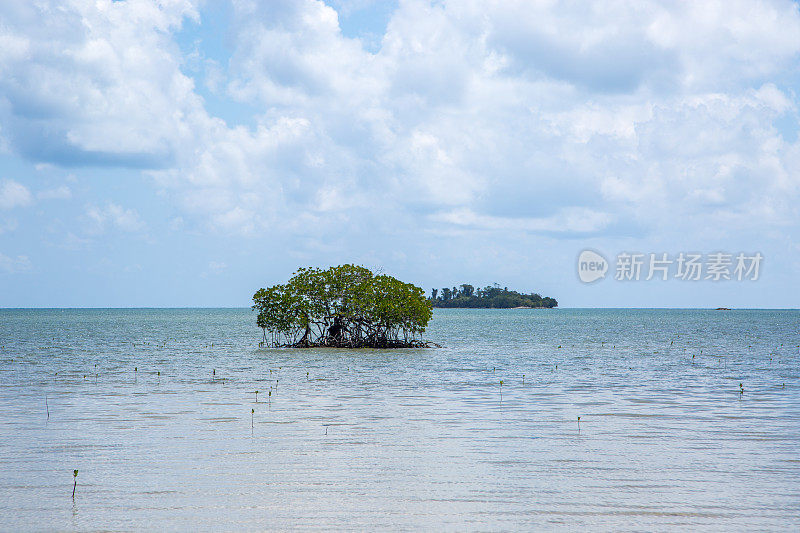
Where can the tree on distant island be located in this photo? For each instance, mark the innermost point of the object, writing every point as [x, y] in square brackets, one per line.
[343, 306]
[490, 297]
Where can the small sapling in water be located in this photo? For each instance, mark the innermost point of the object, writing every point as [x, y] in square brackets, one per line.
[47, 406]
[579, 424]
[252, 415]
[74, 482]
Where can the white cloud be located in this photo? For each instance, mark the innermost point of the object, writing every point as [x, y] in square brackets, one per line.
[480, 115]
[215, 267]
[94, 83]
[14, 194]
[566, 221]
[72, 242]
[61, 192]
[13, 265]
[114, 216]
[516, 109]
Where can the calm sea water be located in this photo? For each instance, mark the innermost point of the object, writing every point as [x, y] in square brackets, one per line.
[153, 407]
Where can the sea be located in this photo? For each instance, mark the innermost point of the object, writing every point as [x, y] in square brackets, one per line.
[524, 420]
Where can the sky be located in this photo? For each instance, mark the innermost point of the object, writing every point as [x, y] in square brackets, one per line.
[185, 153]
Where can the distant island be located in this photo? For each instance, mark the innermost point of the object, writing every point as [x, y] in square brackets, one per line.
[490, 297]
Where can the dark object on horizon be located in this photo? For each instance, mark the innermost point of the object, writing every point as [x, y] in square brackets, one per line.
[490, 297]
[722, 309]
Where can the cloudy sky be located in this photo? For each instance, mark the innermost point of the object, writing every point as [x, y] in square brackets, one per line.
[184, 153]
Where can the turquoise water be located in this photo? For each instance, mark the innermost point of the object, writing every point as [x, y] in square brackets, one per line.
[404, 439]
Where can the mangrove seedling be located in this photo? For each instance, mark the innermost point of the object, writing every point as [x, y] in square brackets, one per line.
[741, 389]
[252, 415]
[47, 406]
[579, 423]
[74, 482]
[501, 390]
[256, 396]
[523, 379]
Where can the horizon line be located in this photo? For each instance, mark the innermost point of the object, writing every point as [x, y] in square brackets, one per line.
[42, 308]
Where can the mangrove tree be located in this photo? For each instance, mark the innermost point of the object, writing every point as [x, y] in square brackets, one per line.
[345, 306]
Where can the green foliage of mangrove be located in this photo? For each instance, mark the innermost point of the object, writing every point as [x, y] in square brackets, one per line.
[343, 306]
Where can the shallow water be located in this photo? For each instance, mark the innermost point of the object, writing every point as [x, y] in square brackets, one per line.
[404, 439]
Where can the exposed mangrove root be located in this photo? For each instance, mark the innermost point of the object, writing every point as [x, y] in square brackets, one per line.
[355, 343]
